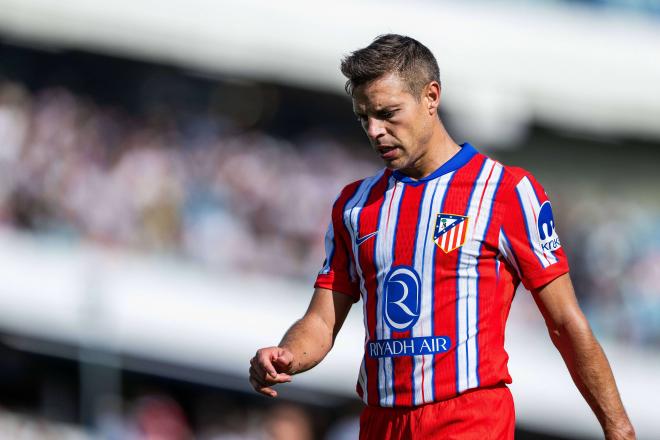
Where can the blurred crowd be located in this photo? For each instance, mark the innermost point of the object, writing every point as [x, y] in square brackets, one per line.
[188, 185]
[160, 417]
[615, 264]
[198, 186]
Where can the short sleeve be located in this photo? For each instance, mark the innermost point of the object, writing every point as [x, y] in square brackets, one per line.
[528, 237]
[338, 271]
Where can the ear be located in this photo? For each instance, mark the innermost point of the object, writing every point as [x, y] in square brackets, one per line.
[431, 96]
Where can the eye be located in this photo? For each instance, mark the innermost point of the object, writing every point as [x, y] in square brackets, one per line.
[386, 114]
[360, 118]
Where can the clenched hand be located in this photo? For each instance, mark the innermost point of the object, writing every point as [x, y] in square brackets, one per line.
[268, 367]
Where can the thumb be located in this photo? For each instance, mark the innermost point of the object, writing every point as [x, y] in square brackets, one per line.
[283, 359]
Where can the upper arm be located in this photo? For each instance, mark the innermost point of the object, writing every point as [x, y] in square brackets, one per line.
[558, 304]
[330, 308]
[338, 272]
[528, 238]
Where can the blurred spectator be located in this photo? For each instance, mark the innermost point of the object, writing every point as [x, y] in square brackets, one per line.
[21, 427]
[161, 418]
[288, 422]
[346, 428]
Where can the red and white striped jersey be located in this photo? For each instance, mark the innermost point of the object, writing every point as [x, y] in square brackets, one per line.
[436, 262]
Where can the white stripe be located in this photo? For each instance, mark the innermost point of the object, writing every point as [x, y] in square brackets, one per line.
[423, 263]
[460, 232]
[351, 214]
[329, 248]
[383, 263]
[362, 379]
[452, 233]
[505, 250]
[454, 239]
[531, 208]
[443, 242]
[458, 235]
[467, 274]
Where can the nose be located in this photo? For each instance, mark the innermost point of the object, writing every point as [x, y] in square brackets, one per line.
[375, 128]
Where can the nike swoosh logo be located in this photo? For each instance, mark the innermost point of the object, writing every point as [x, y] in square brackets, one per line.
[360, 240]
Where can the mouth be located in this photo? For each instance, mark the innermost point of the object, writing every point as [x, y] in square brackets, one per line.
[387, 152]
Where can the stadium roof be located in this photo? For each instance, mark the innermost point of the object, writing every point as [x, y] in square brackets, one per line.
[504, 66]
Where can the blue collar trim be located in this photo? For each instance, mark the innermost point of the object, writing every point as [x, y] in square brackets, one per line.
[459, 159]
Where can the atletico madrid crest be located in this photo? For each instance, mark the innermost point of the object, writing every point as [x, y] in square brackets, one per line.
[450, 231]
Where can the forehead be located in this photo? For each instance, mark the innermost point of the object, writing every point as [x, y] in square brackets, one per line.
[386, 91]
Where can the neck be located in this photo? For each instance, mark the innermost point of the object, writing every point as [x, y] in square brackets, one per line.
[438, 150]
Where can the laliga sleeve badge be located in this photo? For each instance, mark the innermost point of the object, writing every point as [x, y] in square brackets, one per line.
[450, 231]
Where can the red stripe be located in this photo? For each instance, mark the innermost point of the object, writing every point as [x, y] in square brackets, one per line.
[404, 246]
[368, 224]
[464, 232]
[444, 318]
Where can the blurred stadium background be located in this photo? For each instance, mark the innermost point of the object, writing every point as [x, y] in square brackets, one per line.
[167, 170]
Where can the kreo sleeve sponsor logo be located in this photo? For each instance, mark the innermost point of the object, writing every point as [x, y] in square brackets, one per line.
[546, 225]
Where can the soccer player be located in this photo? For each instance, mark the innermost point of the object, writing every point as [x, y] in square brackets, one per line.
[435, 245]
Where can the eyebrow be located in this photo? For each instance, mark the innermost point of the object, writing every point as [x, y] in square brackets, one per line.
[384, 109]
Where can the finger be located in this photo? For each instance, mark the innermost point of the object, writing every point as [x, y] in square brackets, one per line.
[255, 364]
[280, 378]
[259, 387]
[265, 362]
[283, 359]
[267, 379]
[259, 379]
[267, 391]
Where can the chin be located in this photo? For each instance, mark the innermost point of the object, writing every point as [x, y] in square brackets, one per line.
[391, 166]
[395, 164]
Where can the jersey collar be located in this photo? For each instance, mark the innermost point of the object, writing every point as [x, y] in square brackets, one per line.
[459, 159]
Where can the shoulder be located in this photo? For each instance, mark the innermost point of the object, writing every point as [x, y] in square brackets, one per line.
[508, 176]
[521, 189]
[515, 178]
[513, 175]
[514, 183]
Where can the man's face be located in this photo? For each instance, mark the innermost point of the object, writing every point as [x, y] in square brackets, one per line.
[398, 125]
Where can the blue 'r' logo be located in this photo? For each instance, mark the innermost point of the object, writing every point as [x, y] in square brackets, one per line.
[402, 298]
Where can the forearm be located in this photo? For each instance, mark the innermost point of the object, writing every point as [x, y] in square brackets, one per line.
[310, 340]
[593, 376]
